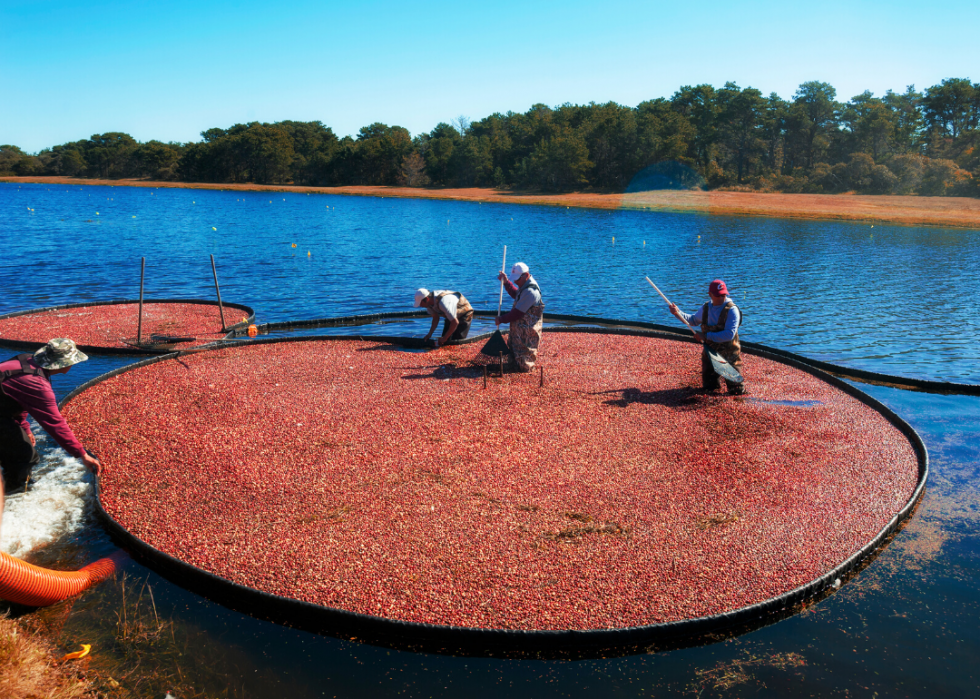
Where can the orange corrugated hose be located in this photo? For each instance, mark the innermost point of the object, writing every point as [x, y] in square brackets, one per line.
[28, 584]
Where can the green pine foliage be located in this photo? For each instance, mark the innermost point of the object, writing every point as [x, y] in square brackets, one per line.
[913, 142]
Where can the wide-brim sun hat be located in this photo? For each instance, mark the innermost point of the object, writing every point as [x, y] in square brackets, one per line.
[58, 354]
[419, 295]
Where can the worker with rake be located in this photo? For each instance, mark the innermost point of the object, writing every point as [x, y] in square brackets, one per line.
[719, 321]
[452, 307]
[526, 318]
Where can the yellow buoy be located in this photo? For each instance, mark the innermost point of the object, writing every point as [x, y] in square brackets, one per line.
[294, 245]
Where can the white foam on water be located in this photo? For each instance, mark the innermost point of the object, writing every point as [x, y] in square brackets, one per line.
[56, 502]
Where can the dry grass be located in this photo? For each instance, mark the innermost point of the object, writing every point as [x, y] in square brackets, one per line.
[136, 630]
[717, 520]
[577, 532]
[135, 652]
[29, 669]
[952, 212]
[725, 676]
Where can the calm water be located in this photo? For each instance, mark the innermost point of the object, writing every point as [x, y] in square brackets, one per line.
[889, 299]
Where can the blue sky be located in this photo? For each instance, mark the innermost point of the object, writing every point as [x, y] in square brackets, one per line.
[169, 70]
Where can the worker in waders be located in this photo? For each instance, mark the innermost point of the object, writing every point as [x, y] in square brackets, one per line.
[452, 307]
[719, 321]
[25, 389]
[526, 318]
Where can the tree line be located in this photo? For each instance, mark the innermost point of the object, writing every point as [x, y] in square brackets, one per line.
[734, 138]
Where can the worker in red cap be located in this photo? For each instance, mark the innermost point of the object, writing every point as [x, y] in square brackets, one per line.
[719, 321]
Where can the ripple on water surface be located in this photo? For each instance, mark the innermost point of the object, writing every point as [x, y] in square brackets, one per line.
[838, 292]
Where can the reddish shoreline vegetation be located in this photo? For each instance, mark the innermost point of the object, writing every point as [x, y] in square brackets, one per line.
[946, 212]
[353, 475]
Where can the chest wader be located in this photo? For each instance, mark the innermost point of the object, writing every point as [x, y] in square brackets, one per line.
[17, 455]
[731, 351]
[525, 335]
[464, 315]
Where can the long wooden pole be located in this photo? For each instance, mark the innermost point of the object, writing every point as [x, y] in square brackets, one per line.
[139, 326]
[503, 266]
[716, 360]
[668, 303]
[221, 310]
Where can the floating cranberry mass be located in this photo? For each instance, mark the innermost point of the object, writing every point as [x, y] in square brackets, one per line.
[116, 325]
[356, 476]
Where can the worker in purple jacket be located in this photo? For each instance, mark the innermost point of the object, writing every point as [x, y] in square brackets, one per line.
[25, 389]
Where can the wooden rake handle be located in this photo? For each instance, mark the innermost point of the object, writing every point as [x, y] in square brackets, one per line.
[668, 303]
[503, 266]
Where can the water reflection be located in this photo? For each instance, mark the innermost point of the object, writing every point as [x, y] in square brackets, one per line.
[786, 403]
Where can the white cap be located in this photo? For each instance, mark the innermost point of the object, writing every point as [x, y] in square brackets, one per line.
[517, 270]
[419, 295]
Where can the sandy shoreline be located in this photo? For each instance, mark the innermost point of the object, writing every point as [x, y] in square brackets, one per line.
[947, 212]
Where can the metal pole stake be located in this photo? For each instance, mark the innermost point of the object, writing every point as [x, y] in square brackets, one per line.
[139, 326]
[218, 289]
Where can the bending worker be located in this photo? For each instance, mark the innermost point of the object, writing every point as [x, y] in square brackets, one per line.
[452, 307]
[719, 321]
[526, 318]
[25, 389]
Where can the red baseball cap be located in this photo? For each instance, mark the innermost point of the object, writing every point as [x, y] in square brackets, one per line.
[718, 288]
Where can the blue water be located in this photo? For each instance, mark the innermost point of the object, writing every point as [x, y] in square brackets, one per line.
[889, 299]
[787, 403]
